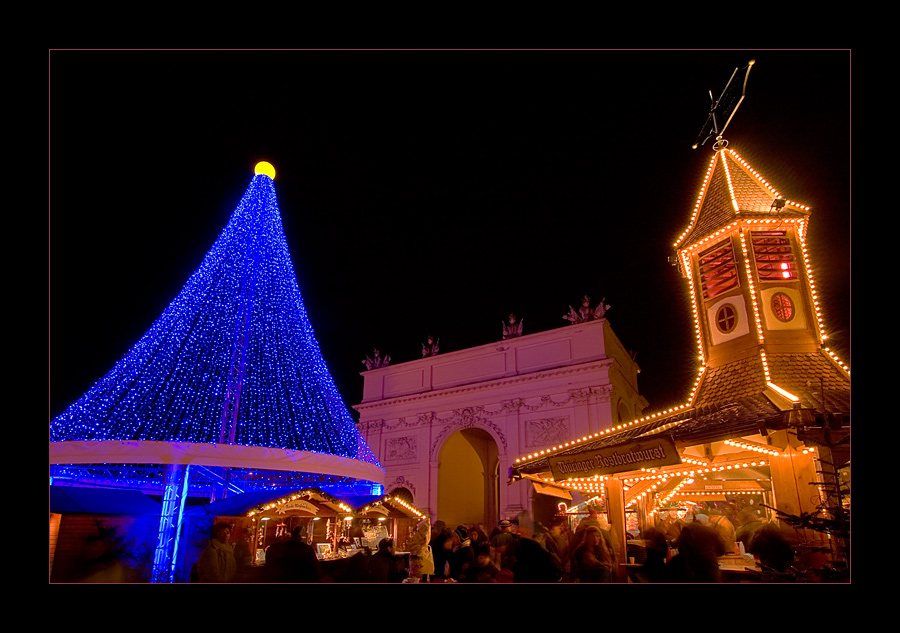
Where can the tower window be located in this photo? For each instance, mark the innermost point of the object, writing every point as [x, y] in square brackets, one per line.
[782, 307]
[726, 318]
[718, 269]
[774, 256]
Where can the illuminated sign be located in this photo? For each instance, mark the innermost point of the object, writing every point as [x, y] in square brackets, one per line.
[298, 504]
[651, 453]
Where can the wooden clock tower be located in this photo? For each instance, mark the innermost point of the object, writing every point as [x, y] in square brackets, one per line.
[752, 288]
[755, 306]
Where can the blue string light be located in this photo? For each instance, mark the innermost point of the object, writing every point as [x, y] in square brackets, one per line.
[174, 384]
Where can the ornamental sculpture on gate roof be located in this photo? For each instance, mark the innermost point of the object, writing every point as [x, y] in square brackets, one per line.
[513, 328]
[585, 312]
[378, 361]
[430, 348]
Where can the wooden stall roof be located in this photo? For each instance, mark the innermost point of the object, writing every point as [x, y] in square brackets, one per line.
[269, 502]
[731, 401]
[322, 503]
[260, 501]
[386, 506]
[739, 417]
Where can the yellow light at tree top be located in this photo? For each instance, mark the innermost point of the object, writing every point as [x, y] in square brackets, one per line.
[265, 169]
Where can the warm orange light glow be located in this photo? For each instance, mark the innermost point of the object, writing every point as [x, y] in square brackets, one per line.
[784, 392]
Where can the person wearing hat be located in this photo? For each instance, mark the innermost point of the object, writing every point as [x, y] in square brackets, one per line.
[557, 542]
[501, 542]
[463, 554]
[503, 528]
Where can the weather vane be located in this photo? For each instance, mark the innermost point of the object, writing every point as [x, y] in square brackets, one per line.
[723, 108]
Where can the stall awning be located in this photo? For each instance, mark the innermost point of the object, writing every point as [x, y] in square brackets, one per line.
[551, 490]
[257, 500]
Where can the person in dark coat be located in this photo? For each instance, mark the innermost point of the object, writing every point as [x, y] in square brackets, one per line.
[501, 539]
[384, 566]
[533, 562]
[657, 547]
[482, 570]
[557, 543]
[463, 554]
[292, 561]
[698, 547]
[442, 550]
[772, 547]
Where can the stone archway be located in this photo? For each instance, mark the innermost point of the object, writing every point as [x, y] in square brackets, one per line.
[468, 478]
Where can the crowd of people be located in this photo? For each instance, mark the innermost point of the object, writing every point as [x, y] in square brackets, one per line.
[522, 551]
[517, 551]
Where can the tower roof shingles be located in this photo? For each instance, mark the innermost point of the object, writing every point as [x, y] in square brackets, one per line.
[734, 189]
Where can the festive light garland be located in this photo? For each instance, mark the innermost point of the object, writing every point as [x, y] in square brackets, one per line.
[752, 446]
[587, 438]
[238, 322]
[408, 506]
[690, 474]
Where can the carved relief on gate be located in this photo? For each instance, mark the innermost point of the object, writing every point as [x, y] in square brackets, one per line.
[543, 432]
[402, 448]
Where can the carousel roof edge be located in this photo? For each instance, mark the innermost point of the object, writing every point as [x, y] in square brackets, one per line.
[217, 455]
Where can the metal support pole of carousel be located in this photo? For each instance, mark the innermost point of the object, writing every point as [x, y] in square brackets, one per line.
[175, 493]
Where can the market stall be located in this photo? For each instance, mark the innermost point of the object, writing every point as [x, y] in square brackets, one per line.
[386, 516]
[321, 516]
[342, 531]
[670, 472]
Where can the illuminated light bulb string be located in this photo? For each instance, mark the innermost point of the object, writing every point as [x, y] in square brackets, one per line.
[587, 438]
[172, 385]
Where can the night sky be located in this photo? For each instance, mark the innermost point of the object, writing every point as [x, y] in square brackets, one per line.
[425, 192]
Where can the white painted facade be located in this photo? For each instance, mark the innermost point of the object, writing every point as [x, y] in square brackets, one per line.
[524, 393]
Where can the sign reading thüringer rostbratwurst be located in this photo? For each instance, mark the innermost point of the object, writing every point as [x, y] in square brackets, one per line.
[659, 451]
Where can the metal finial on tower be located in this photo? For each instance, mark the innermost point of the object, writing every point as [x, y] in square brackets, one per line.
[723, 108]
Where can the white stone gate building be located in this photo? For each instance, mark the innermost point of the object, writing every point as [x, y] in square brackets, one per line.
[447, 427]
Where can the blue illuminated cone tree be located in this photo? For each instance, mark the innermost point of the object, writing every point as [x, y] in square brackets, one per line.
[232, 360]
[230, 375]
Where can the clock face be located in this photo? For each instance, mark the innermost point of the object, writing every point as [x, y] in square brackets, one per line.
[782, 307]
